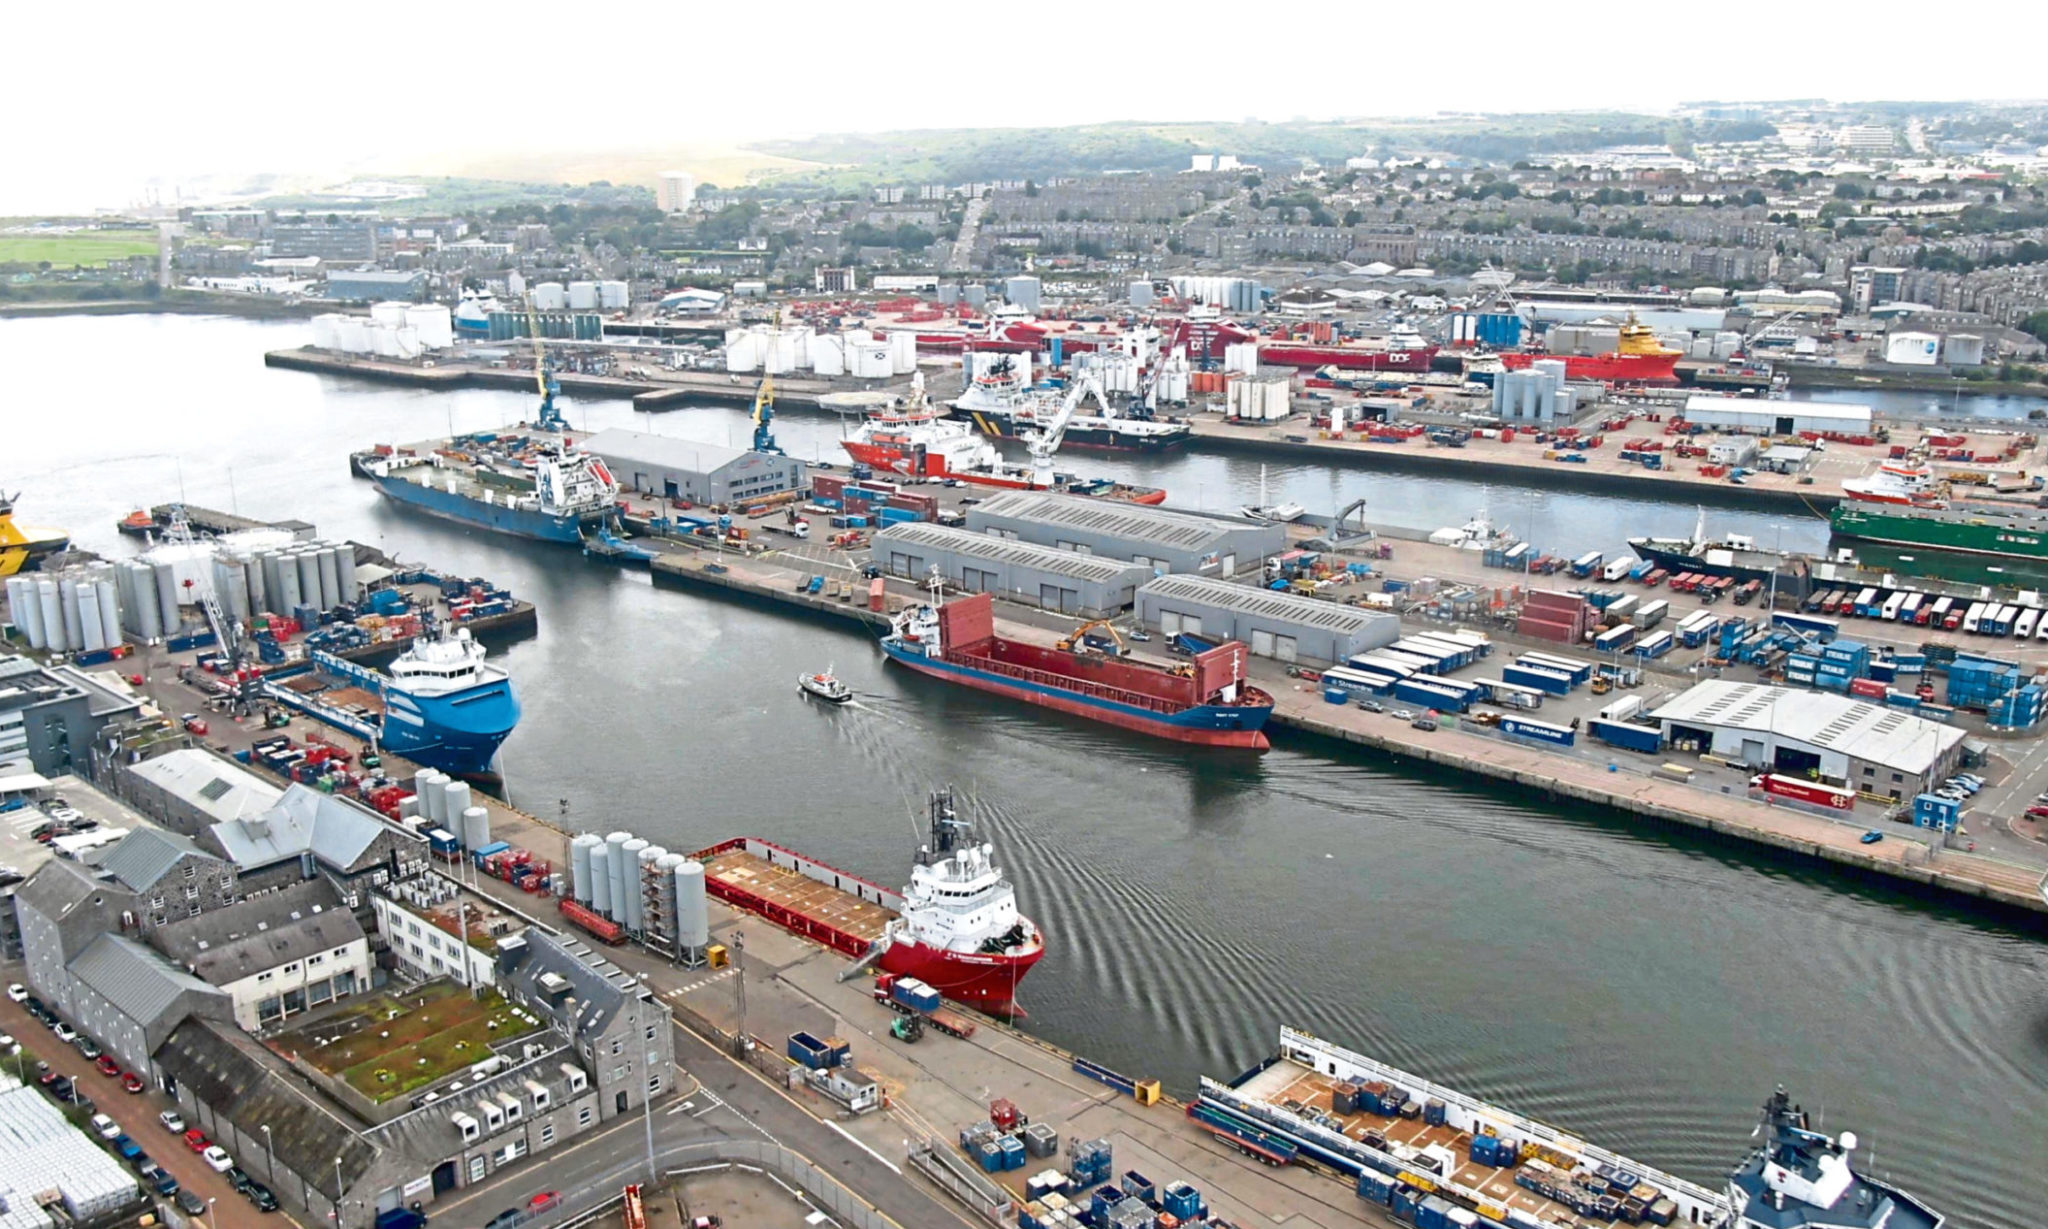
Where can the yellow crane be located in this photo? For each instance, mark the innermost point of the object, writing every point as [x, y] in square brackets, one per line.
[764, 398]
[543, 377]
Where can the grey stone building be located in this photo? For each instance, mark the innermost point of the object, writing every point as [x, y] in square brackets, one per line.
[189, 790]
[276, 955]
[309, 833]
[49, 715]
[625, 1037]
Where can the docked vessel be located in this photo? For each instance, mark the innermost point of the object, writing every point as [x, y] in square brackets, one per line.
[1896, 482]
[1207, 701]
[1434, 1155]
[1735, 556]
[439, 704]
[550, 490]
[916, 443]
[1403, 350]
[956, 926]
[998, 402]
[1638, 358]
[2017, 533]
[23, 547]
[1281, 513]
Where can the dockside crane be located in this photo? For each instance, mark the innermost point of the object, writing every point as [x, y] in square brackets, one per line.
[543, 375]
[764, 403]
[1046, 442]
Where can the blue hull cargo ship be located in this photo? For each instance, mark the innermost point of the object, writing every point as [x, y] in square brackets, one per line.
[551, 491]
[1433, 1156]
[439, 704]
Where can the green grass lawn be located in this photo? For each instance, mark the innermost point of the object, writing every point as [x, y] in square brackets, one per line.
[382, 1057]
[65, 249]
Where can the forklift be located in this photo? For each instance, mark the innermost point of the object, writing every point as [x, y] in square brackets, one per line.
[907, 1029]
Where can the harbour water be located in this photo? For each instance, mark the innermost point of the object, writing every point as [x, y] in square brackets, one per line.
[1642, 988]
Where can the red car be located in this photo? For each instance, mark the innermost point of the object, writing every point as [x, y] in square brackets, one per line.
[131, 1082]
[108, 1067]
[2037, 812]
[196, 1140]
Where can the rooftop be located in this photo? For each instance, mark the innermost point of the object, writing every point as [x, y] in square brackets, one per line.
[1871, 732]
[336, 831]
[222, 946]
[392, 1043]
[1149, 524]
[1008, 550]
[142, 984]
[664, 450]
[1290, 607]
[146, 855]
[216, 787]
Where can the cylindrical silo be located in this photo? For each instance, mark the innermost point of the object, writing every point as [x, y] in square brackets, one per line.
[67, 607]
[476, 827]
[615, 866]
[308, 565]
[433, 800]
[633, 849]
[330, 580]
[291, 594]
[259, 584]
[601, 879]
[149, 616]
[579, 865]
[52, 601]
[273, 584]
[345, 571]
[232, 589]
[87, 594]
[124, 595]
[662, 894]
[110, 611]
[26, 609]
[693, 918]
[455, 800]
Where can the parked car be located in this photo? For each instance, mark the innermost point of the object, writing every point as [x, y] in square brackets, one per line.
[108, 1067]
[1403, 714]
[105, 1127]
[1372, 706]
[16, 992]
[1424, 724]
[1871, 837]
[196, 1140]
[260, 1195]
[65, 1033]
[161, 1181]
[63, 1089]
[131, 1083]
[217, 1158]
[88, 1048]
[127, 1148]
[503, 1220]
[173, 1121]
[191, 1204]
[239, 1178]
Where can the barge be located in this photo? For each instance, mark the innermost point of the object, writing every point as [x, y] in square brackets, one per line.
[1433, 1155]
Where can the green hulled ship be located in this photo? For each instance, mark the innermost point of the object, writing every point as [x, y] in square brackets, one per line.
[2021, 533]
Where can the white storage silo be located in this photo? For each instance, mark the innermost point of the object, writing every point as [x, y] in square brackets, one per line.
[330, 577]
[693, 918]
[476, 827]
[385, 341]
[389, 314]
[326, 332]
[601, 878]
[615, 867]
[1963, 350]
[166, 594]
[149, 618]
[87, 595]
[345, 572]
[27, 609]
[432, 324]
[778, 353]
[903, 352]
[290, 593]
[308, 564]
[582, 296]
[433, 801]
[579, 865]
[743, 353]
[613, 295]
[110, 612]
[67, 606]
[653, 891]
[455, 799]
[828, 355]
[52, 604]
[633, 849]
[550, 297]
[870, 360]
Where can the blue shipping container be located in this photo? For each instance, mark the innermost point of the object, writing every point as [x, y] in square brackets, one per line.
[1541, 731]
[1541, 679]
[1624, 734]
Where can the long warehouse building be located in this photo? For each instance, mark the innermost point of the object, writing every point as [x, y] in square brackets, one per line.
[674, 468]
[1088, 586]
[1753, 417]
[1886, 752]
[1283, 626]
[1175, 542]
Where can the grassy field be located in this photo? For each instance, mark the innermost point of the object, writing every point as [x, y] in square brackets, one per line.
[381, 1056]
[65, 249]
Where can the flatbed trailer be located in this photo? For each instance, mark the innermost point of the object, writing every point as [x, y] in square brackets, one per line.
[944, 1019]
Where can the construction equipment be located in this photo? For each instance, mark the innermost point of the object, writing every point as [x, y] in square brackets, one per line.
[543, 375]
[907, 1029]
[1081, 641]
[764, 404]
[1045, 442]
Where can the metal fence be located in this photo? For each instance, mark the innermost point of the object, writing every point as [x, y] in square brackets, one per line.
[823, 1191]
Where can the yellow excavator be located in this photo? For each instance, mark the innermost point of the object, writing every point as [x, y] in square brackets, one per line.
[1081, 642]
[21, 547]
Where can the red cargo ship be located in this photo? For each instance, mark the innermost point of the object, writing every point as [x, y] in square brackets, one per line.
[955, 927]
[1637, 359]
[1403, 351]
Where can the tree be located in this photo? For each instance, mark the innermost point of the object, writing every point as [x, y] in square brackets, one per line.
[1030, 187]
[1353, 217]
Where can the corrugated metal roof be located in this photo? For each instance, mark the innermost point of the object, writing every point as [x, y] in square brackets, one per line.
[139, 983]
[146, 855]
[1125, 520]
[305, 820]
[1008, 550]
[227, 945]
[204, 780]
[1291, 607]
[622, 446]
[1872, 732]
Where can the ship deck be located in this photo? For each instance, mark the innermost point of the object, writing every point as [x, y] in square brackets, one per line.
[791, 898]
[319, 687]
[1293, 1087]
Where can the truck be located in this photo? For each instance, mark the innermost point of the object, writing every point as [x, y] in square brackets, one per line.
[909, 996]
[798, 529]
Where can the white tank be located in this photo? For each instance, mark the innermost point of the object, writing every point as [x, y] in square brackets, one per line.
[308, 565]
[903, 351]
[828, 356]
[330, 577]
[110, 612]
[433, 803]
[389, 314]
[550, 297]
[25, 610]
[51, 599]
[743, 353]
[455, 799]
[693, 918]
[87, 595]
[326, 331]
[290, 593]
[582, 296]
[149, 617]
[345, 571]
[635, 914]
[432, 324]
[663, 881]
[259, 584]
[613, 295]
[67, 605]
[601, 879]
[615, 866]
[273, 583]
[579, 865]
[476, 827]
[515, 283]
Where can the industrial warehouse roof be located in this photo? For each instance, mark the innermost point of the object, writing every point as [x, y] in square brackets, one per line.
[1707, 408]
[209, 783]
[1870, 732]
[332, 829]
[1125, 520]
[137, 981]
[1244, 599]
[224, 946]
[1008, 550]
[146, 855]
[621, 445]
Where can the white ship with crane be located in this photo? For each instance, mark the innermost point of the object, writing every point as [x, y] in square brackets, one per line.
[1273, 514]
[1000, 402]
[916, 443]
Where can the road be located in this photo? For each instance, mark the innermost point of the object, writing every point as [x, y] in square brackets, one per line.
[136, 1114]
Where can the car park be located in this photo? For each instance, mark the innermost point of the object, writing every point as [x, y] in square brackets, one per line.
[217, 1158]
[173, 1121]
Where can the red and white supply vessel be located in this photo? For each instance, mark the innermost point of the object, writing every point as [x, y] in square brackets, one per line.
[959, 930]
[1896, 482]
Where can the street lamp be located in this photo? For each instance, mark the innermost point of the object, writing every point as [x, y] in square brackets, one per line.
[269, 1160]
[337, 1193]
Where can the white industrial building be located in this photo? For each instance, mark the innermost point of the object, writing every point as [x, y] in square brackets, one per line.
[1283, 626]
[1878, 750]
[699, 473]
[1750, 416]
[1089, 586]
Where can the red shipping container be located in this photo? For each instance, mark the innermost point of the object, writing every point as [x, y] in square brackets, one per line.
[824, 486]
[1868, 689]
[1832, 797]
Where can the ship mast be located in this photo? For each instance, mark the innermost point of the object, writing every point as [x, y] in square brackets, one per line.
[946, 826]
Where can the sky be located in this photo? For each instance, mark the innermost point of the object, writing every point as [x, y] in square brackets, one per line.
[234, 87]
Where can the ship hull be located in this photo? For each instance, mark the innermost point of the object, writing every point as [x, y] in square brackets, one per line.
[1958, 534]
[1606, 368]
[1675, 559]
[1003, 426]
[459, 733]
[986, 982]
[1346, 358]
[1206, 725]
[930, 465]
[498, 518]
